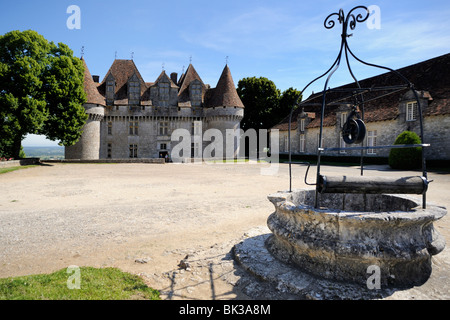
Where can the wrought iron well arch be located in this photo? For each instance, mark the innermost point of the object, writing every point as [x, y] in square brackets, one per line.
[349, 22]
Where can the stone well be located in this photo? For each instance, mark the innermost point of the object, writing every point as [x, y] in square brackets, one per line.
[351, 232]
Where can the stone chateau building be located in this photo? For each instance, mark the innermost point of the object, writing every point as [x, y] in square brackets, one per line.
[385, 118]
[131, 118]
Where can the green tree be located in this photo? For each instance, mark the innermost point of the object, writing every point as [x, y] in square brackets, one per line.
[41, 91]
[288, 99]
[260, 97]
[406, 158]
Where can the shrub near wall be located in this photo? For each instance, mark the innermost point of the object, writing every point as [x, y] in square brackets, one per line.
[406, 158]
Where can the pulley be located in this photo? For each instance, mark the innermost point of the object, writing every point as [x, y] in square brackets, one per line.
[354, 129]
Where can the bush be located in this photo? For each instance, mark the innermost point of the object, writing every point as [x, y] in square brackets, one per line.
[406, 158]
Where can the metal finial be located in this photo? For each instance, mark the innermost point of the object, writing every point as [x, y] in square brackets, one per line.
[190, 59]
[82, 51]
[226, 60]
[132, 54]
[115, 55]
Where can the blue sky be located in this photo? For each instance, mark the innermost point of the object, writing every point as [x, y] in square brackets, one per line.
[284, 41]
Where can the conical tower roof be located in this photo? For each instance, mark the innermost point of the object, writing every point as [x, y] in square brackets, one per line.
[90, 87]
[225, 94]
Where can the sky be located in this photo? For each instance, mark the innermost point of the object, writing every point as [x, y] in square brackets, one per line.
[284, 40]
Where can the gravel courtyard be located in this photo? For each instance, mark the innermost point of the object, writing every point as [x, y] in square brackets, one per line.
[146, 218]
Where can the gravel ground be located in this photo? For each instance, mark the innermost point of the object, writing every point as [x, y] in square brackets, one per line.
[147, 218]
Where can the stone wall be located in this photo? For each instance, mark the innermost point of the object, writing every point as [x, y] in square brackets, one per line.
[434, 128]
[21, 162]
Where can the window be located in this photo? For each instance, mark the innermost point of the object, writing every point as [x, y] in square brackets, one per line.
[110, 88]
[411, 111]
[109, 127]
[134, 125]
[196, 94]
[133, 150]
[164, 94]
[302, 143]
[371, 141]
[163, 146]
[302, 125]
[163, 128]
[109, 150]
[134, 92]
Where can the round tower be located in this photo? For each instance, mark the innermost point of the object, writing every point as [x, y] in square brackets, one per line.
[88, 147]
[224, 111]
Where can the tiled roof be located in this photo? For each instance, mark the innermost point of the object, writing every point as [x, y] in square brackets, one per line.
[90, 87]
[224, 94]
[431, 78]
[185, 80]
[122, 70]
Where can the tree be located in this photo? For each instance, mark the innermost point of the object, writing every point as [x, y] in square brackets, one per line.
[260, 97]
[41, 91]
[406, 158]
[288, 99]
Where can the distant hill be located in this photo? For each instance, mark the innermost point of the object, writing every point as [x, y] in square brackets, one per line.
[45, 153]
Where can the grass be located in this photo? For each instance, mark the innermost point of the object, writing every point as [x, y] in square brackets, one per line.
[94, 284]
[9, 169]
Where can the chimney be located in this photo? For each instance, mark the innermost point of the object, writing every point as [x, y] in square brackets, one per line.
[95, 78]
[173, 77]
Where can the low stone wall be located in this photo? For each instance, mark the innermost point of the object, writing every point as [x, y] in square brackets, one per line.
[21, 162]
[134, 160]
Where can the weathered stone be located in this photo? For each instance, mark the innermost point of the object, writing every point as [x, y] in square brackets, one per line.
[351, 232]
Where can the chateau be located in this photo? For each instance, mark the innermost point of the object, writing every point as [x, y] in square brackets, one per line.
[131, 118]
[385, 118]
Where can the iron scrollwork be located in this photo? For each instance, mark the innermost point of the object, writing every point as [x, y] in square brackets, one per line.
[349, 21]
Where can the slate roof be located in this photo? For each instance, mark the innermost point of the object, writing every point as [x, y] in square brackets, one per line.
[224, 94]
[431, 78]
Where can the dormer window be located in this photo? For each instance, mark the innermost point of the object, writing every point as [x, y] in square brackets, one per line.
[110, 89]
[134, 91]
[196, 94]
[164, 94]
[411, 111]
